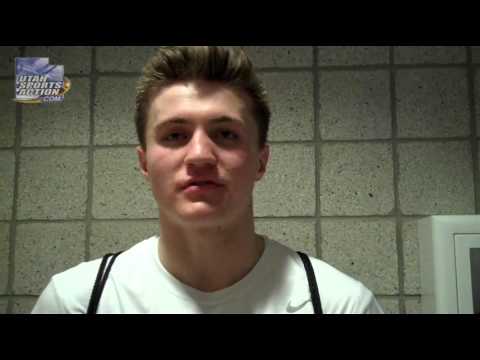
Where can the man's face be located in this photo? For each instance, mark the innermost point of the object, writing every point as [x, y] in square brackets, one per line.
[202, 132]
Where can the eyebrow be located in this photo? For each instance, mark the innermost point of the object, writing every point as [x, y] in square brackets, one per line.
[182, 121]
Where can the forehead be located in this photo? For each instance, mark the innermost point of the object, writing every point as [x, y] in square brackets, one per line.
[198, 99]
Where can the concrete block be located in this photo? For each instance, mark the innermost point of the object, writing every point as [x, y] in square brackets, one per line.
[411, 257]
[478, 180]
[476, 54]
[354, 105]
[430, 54]
[75, 59]
[24, 305]
[114, 111]
[288, 187]
[7, 172]
[43, 250]
[413, 305]
[477, 99]
[432, 103]
[389, 305]
[123, 58]
[4, 256]
[297, 234]
[364, 249]
[65, 123]
[291, 101]
[119, 189]
[436, 178]
[3, 305]
[356, 179]
[8, 114]
[52, 184]
[280, 56]
[7, 66]
[352, 55]
[114, 236]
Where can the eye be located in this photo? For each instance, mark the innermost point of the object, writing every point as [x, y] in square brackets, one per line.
[228, 135]
[174, 136]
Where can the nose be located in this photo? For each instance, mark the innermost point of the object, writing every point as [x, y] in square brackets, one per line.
[201, 150]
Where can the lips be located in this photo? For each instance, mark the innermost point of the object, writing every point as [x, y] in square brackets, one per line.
[201, 183]
[197, 189]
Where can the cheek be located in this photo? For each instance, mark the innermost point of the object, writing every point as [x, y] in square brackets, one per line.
[160, 166]
[242, 167]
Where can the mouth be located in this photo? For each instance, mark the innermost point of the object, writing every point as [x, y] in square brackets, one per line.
[194, 187]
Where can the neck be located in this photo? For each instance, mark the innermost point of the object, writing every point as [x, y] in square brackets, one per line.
[210, 258]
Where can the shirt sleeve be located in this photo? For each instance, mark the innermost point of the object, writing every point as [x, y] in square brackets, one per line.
[371, 305]
[49, 301]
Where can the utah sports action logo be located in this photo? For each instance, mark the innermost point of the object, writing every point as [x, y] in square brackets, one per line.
[37, 81]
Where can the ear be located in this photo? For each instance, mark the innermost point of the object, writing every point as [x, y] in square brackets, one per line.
[263, 158]
[142, 162]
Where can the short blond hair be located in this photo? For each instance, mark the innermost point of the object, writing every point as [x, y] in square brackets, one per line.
[231, 66]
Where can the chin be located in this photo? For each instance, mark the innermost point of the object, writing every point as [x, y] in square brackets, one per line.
[202, 213]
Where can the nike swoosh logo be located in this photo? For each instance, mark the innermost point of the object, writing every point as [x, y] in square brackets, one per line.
[292, 309]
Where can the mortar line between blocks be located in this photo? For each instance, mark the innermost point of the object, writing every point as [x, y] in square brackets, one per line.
[88, 212]
[317, 150]
[279, 218]
[471, 73]
[13, 224]
[363, 67]
[271, 142]
[396, 173]
[289, 69]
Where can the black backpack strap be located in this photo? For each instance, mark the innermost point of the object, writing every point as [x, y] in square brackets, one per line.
[312, 283]
[100, 282]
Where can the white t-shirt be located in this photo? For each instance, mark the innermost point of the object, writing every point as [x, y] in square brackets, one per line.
[138, 283]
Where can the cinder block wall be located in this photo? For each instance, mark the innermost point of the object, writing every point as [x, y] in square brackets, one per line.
[365, 141]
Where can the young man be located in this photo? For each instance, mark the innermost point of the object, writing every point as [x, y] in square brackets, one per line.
[202, 120]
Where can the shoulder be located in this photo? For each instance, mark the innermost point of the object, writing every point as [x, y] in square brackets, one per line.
[70, 290]
[339, 292]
